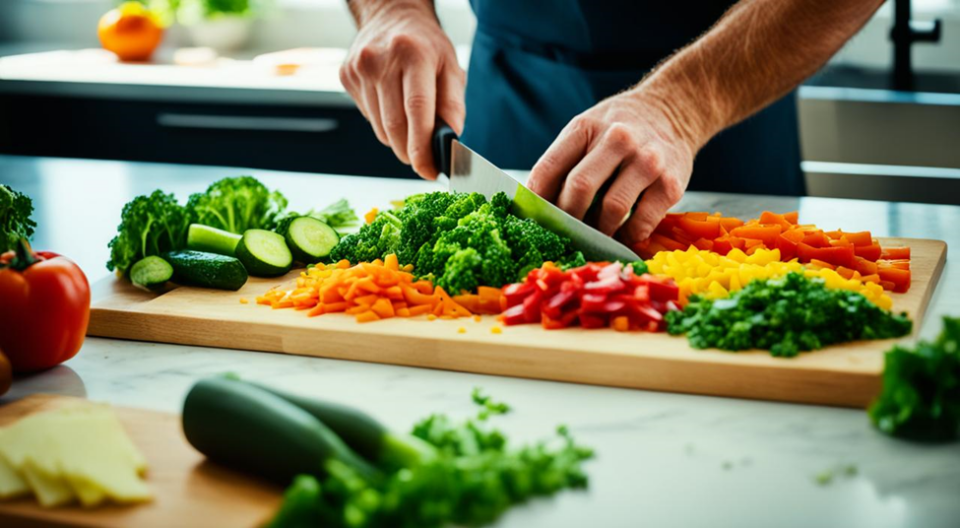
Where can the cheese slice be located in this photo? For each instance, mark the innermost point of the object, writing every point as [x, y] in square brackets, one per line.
[76, 452]
[50, 489]
[11, 483]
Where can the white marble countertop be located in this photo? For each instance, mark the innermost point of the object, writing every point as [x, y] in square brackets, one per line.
[663, 459]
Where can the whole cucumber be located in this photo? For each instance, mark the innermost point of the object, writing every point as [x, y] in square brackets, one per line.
[247, 428]
[209, 270]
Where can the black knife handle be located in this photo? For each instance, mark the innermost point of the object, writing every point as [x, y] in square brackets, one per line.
[442, 144]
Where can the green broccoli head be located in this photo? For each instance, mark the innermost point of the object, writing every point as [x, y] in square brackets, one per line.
[237, 204]
[149, 225]
[462, 271]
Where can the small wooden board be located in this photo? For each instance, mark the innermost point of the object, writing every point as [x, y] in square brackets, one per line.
[188, 490]
[847, 375]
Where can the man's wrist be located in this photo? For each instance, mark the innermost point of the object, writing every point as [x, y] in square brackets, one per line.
[367, 10]
[689, 101]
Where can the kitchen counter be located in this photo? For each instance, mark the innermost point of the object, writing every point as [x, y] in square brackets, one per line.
[663, 459]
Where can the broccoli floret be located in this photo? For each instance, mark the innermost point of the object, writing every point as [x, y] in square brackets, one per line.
[237, 204]
[462, 272]
[149, 225]
[461, 239]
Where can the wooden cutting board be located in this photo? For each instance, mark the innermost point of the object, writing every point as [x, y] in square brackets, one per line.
[188, 491]
[847, 375]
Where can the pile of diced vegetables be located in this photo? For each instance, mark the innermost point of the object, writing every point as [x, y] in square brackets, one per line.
[451, 255]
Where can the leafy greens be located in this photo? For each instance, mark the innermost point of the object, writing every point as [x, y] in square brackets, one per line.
[15, 221]
[786, 316]
[476, 477]
[237, 204]
[921, 389]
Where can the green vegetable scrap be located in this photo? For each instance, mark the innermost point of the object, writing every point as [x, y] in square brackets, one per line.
[150, 225]
[237, 204]
[786, 316]
[338, 215]
[473, 480]
[15, 222]
[921, 389]
[460, 240]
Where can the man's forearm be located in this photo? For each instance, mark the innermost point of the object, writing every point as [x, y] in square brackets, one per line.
[759, 50]
[363, 10]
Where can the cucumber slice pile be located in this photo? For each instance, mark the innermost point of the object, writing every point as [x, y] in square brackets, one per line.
[310, 240]
[264, 253]
[212, 240]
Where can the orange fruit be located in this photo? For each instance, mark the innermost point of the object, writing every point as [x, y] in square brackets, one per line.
[131, 31]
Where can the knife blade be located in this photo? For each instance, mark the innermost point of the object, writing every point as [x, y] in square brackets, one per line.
[471, 172]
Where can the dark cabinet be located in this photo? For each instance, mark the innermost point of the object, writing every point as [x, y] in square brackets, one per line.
[294, 138]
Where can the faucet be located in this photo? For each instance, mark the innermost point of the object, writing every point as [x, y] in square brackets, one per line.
[903, 34]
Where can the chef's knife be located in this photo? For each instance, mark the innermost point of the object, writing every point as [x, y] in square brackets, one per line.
[471, 172]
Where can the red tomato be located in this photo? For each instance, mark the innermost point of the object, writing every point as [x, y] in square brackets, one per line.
[44, 309]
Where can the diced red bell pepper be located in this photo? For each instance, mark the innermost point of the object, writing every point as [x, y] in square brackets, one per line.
[766, 234]
[514, 315]
[864, 265]
[895, 253]
[699, 228]
[787, 247]
[514, 294]
[871, 252]
[838, 256]
[532, 307]
[900, 278]
[662, 290]
[704, 244]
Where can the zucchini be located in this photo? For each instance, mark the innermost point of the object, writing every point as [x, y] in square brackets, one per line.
[264, 253]
[363, 433]
[310, 240]
[151, 273]
[208, 270]
[247, 428]
[212, 240]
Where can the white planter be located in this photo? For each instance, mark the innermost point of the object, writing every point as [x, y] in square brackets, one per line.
[223, 33]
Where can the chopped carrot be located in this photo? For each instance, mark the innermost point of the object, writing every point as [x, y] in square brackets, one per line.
[430, 317]
[368, 316]
[371, 215]
[620, 323]
[477, 318]
[461, 330]
[376, 290]
[243, 300]
[496, 330]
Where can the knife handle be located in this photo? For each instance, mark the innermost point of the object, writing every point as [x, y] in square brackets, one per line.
[442, 144]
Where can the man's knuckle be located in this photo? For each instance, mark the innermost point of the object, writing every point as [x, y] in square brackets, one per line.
[404, 45]
[617, 205]
[579, 184]
[418, 103]
[620, 137]
[672, 189]
[651, 161]
[366, 61]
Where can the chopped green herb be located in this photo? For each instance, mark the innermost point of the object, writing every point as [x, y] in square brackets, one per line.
[15, 221]
[476, 477]
[786, 316]
[921, 389]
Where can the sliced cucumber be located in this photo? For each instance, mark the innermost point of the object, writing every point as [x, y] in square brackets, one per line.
[151, 273]
[310, 239]
[212, 240]
[247, 428]
[209, 270]
[264, 253]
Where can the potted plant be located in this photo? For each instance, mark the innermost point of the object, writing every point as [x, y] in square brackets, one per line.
[223, 25]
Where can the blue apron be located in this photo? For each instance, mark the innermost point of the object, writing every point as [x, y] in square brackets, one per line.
[536, 64]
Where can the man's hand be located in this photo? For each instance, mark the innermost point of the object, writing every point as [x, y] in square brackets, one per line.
[402, 71]
[646, 138]
[632, 138]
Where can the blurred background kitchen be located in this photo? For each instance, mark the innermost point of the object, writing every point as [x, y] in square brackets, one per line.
[254, 83]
